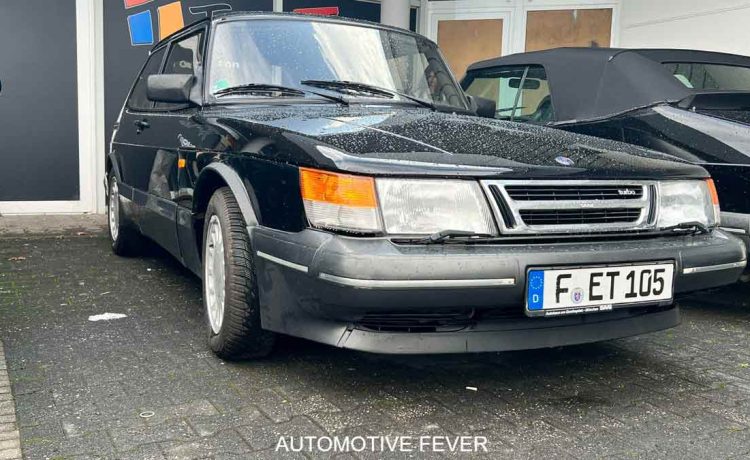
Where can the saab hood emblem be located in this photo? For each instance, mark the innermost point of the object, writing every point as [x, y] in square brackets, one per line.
[565, 161]
[184, 143]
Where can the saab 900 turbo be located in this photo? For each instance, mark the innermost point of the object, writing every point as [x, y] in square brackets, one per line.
[328, 179]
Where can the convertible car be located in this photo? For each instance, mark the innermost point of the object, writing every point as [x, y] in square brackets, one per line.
[694, 105]
[328, 179]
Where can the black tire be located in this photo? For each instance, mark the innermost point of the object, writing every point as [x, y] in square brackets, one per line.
[126, 241]
[240, 335]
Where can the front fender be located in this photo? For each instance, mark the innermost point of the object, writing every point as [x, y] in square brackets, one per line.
[230, 177]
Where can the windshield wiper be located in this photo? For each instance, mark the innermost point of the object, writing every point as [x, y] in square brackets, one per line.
[343, 86]
[688, 227]
[268, 89]
[443, 235]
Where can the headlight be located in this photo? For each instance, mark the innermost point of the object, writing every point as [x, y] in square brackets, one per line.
[340, 201]
[426, 206]
[688, 201]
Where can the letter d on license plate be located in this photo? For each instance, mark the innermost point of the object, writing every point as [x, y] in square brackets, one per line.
[560, 291]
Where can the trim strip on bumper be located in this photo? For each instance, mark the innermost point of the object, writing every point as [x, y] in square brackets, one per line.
[283, 262]
[416, 284]
[713, 268]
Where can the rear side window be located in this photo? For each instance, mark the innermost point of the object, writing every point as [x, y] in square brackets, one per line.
[701, 76]
[138, 99]
[185, 58]
[520, 92]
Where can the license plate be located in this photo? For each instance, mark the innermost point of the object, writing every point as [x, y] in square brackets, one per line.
[561, 291]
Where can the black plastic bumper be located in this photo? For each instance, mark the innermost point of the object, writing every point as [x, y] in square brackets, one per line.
[738, 225]
[324, 287]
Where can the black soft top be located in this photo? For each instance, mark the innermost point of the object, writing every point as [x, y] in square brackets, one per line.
[594, 83]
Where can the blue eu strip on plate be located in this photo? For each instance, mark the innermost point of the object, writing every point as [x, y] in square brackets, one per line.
[535, 293]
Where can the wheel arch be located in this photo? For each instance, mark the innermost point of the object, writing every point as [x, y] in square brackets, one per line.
[213, 177]
[111, 165]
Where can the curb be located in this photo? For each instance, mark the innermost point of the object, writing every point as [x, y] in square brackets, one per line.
[10, 439]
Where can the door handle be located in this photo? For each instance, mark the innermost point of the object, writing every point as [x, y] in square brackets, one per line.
[142, 124]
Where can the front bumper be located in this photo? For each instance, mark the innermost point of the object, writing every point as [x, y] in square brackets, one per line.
[737, 224]
[374, 295]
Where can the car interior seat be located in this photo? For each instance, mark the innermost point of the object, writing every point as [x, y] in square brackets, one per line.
[543, 112]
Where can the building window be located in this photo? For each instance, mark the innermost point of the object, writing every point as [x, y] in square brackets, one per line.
[547, 29]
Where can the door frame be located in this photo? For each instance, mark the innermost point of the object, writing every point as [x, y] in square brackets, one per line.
[513, 13]
[468, 10]
[90, 80]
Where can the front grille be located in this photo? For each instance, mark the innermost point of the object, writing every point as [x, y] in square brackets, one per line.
[580, 216]
[573, 192]
[540, 207]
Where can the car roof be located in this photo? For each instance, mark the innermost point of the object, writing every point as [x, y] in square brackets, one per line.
[594, 83]
[240, 15]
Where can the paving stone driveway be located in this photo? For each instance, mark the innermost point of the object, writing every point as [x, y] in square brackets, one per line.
[80, 386]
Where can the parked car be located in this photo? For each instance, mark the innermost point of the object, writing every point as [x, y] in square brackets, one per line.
[326, 179]
[694, 105]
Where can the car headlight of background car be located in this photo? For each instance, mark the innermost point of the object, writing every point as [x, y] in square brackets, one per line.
[687, 201]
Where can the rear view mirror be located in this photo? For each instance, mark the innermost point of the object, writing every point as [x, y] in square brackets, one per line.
[174, 88]
[529, 83]
[482, 107]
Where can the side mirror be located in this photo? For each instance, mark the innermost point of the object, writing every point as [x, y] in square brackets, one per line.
[174, 88]
[483, 107]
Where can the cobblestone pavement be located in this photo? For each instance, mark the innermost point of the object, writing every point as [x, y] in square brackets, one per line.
[10, 440]
[81, 387]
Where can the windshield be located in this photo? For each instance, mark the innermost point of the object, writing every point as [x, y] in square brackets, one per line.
[722, 77]
[521, 93]
[289, 52]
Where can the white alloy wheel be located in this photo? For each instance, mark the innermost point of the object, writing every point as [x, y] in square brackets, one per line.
[214, 276]
[114, 209]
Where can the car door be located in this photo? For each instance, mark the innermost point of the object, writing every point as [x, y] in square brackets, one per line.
[158, 135]
[129, 139]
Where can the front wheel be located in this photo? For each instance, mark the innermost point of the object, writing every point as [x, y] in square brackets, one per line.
[230, 290]
[125, 240]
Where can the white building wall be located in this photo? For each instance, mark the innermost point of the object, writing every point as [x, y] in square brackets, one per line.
[713, 25]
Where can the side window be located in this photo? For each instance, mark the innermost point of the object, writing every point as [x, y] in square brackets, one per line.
[138, 99]
[520, 92]
[185, 57]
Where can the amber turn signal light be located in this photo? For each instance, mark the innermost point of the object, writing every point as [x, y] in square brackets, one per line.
[338, 189]
[713, 192]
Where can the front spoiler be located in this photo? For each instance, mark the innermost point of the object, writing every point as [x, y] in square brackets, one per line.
[507, 336]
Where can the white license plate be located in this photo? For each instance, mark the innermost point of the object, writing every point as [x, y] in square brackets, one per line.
[558, 291]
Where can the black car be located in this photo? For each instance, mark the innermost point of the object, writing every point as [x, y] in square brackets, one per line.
[694, 105]
[327, 180]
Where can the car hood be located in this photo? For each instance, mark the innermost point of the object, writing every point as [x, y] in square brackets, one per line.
[398, 141]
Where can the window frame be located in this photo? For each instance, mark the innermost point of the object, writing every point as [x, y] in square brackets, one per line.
[493, 72]
[664, 65]
[167, 45]
[128, 102]
[199, 76]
